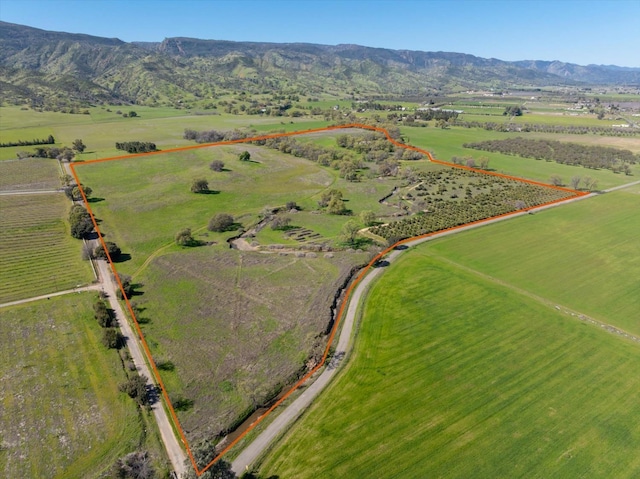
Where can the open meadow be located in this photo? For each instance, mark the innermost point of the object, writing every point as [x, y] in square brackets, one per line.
[61, 414]
[100, 129]
[37, 254]
[236, 327]
[454, 375]
[143, 202]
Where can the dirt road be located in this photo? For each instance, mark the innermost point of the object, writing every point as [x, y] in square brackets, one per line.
[93, 287]
[174, 449]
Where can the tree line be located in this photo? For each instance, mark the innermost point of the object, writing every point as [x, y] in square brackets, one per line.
[595, 157]
[50, 140]
[542, 128]
[136, 146]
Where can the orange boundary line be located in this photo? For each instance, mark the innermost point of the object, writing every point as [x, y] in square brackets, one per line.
[347, 295]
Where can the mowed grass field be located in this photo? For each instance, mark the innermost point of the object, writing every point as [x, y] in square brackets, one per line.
[61, 414]
[584, 255]
[236, 326]
[455, 376]
[447, 143]
[37, 254]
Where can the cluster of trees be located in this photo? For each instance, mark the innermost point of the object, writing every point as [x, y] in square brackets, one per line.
[53, 152]
[136, 146]
[80, 222]
[566, 153]
[513, 110]
[50, 140]
[136, 388]
[333, 201]
[548, 128]
[425, 115]
[214, 136]
[111, 337]
[73, 191]
[483, 162]
[371, 105]
[112, 248]
[576, 182]
[448, 206]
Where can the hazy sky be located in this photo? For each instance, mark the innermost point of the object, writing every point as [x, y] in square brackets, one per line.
[576, 31]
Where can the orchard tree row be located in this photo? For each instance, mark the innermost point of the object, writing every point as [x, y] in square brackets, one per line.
[452, 205]
[588, 156]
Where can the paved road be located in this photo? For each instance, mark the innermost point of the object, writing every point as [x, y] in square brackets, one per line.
[174, 449]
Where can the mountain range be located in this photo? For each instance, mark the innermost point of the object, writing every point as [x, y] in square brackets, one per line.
[46, 68]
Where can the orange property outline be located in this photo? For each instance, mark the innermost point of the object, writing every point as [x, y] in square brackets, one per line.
[364, 271]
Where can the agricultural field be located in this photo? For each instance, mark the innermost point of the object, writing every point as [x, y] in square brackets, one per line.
[584, 256]
[447, 143]
[29, 174]
[236, 327]
[61, 413]
[37, 254]
[454, 375]
[453, 197]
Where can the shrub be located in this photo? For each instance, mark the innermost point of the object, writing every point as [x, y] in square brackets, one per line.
[221, 222]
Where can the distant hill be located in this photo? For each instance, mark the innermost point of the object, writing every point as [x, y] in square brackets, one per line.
[55, 68]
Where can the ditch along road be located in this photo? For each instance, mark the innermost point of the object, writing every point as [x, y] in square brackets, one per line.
[247, 458]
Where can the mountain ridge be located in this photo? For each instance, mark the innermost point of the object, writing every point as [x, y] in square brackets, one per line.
[42, 66]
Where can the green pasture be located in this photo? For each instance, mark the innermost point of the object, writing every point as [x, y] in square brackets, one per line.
[100, 129]
[37, 254]
[584, 255]
[446, 143]
[61, 414]
[143, 202]
[456, 376]
[30, 174]
[235, 325]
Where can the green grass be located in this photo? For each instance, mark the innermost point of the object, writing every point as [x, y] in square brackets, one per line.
[29, 174]
[61, 413]
[101, 129]
[249, 320]
[144, 202]
[455, 376]
[37, 254]
[147, 200]
[584, 255]
[447, 143]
